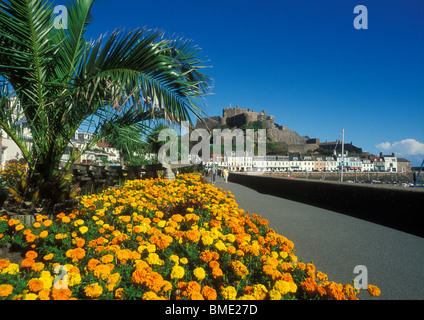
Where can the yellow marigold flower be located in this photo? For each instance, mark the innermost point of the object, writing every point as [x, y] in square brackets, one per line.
[283, 254]
[43, 234]
[113, 279]
[183, 260]
[13, 268]
[177, 272]
[31, 296]
[199, 273]
[259, 291]
[220, 246]
[274, 295]
[229, 293]
[74, 279]
[93, 290]
[154, 259]
[83, 229]
[150, 295]
[19, 227]
[36, 225]
[239, 268]
[246, 297]
[283, 287]
[207, 240]
[78, 222]
[119, 293]
[174, 258]
[66, 219]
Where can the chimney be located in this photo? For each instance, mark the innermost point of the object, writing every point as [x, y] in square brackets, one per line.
[381, 154]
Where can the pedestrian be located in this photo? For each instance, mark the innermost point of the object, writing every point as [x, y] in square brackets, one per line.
[225, 175]
[213, 173]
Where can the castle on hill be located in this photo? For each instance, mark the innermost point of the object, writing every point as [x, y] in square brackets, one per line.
[237, 117]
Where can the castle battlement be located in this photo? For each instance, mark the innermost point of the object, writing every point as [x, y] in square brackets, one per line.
[237, 117]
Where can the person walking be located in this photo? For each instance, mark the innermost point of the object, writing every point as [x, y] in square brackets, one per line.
[225, 175]
[213, 173]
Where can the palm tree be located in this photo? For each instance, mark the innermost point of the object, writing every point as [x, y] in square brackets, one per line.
[128, 142]
[62, 83]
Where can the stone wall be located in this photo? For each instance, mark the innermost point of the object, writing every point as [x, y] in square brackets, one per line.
[394, 207]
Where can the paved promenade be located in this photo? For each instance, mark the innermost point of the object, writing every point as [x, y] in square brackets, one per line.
[336, 243]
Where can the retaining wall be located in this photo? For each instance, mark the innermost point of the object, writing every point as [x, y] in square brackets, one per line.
[395, 207]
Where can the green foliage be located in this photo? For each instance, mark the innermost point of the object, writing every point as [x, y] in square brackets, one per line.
[55, 81]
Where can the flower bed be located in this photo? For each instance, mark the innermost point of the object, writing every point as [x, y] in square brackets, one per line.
[159, 239]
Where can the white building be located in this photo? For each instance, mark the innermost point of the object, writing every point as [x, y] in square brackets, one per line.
[390, 163]
[307, 164]
[367, 165]
[331, 164]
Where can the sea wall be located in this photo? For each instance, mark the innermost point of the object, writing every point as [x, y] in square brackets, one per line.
[366, 177]
[395, 207]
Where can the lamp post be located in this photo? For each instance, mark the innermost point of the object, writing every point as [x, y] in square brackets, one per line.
[341, 175]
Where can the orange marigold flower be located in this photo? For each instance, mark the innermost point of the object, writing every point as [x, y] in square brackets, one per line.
[30, 238]
[195, 296]
[209, 293]
[287, 267]
[44, 294]
[31, 255]
[177, 218]
[27, 263]
[193, 286]
[102, 271]
[35, 285]
[107, 258]
[92, 263]
[193, 235]
[206, 256]
[373, 290]
[61, 294]
[310, 270]
[5, 290]
[217, 273]
[47, 223]
[37, 267]
[43, 234]
[321, 276]
[80, 242]
[309, 285]
[4, 263]
[76, 254]
[334, 291]
[12, 222]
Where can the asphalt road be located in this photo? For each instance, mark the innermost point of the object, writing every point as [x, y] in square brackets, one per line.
[336, 243]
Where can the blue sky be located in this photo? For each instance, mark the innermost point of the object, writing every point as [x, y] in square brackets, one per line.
[303, 62]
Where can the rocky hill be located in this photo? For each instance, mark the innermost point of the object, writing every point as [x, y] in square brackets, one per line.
[238, 118]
